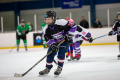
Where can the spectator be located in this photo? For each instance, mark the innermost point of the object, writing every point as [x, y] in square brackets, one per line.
[97, 24]
[84, 23]
[30, 25]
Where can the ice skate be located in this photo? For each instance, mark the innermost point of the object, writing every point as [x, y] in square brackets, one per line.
[77, 56]
[118, 57]
[58, 71]
[26, 49]
[45, 71]
[17, 48]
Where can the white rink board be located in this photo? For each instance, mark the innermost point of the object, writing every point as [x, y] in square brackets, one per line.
[9, 39]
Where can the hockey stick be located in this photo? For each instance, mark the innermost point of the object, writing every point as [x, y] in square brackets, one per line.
[21, 75]
[12, 49]
[15, 45]
[55, 62]
[102, 36]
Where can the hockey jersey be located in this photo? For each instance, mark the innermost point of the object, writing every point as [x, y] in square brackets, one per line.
[116, 27]
[57, 32]
[43, 25]
[21, 30]
[80, 34]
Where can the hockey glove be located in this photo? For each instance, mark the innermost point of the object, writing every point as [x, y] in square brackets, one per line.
[54, 47]
[111, 33]
[26, 32]
[90, 39]
[68, 37]
[22, 37]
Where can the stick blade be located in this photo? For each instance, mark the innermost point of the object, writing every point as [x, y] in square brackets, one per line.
[18, 75]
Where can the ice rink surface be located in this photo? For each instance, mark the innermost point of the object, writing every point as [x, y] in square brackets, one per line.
[96, 63]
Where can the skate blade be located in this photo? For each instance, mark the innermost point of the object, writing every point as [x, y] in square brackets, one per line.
[56, 76]
[42, 75]
[73, 60]
[118, 58]
[70, 59]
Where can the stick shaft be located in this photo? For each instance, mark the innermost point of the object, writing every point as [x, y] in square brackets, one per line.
[12, 49]
[36, 63]
[100, 36]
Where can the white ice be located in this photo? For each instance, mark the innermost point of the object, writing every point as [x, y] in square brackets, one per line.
[96, 63]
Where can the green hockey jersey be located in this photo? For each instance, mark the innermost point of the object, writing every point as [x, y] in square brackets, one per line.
[43, 25]
[21, 30]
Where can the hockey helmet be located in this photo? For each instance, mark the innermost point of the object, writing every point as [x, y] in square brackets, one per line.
[22, 21]
[71, 20]
[118, 13]
[51, 14]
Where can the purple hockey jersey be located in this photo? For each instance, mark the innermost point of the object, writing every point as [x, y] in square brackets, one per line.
[57, 32]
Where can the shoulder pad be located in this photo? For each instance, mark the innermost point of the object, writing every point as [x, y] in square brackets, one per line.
[62, 22]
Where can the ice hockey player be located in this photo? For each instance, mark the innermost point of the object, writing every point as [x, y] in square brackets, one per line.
[80, 35]
[116, 30]
[54, 32]
[44, 41]
[22, 30]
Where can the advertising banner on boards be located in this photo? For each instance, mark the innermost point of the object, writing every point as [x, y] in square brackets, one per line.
[37, 38]
[67, 4]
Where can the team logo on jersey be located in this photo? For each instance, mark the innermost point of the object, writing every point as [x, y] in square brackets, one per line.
[58, 35]
[118, 30]
[45, 15]
[23, 31]
[38, 39]
[83, 32]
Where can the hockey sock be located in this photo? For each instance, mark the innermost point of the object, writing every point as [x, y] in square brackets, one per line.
[44, 42]
[71, 47]
[48, 64]
[60, 62]
[25, 43]
[18, 42]
[71, 50]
